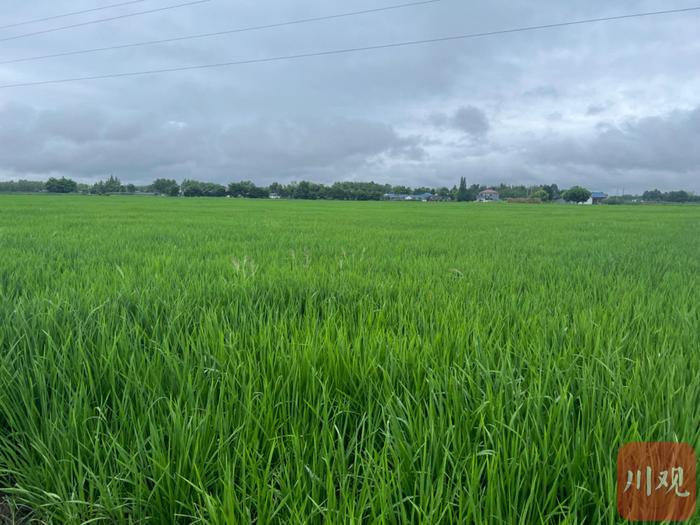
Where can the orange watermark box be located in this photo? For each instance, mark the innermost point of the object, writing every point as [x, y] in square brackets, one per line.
[656, 482]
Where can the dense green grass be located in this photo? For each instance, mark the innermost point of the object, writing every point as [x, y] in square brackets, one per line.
[227, 361]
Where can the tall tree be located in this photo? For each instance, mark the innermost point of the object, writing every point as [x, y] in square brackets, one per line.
[553, 191]
[462, 192]
[113, 185]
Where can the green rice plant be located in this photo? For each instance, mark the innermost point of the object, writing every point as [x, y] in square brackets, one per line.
[231, 361]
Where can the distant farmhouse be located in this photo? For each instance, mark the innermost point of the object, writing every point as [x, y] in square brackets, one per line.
[597, 197]
[488, 195]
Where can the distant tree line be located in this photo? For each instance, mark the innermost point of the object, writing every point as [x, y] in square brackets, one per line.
[355, 191]
[109, 186]
[64, 185]
[671, 196]
[349, 191]
[22, 186]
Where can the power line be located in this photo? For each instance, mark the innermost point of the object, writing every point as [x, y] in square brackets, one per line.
[220, 33]
[101, 20]
[349, 50]
[74, 13]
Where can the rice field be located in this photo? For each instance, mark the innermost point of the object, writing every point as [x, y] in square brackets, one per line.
[228, 361]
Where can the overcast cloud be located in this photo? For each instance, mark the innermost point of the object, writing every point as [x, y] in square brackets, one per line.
[607, 106]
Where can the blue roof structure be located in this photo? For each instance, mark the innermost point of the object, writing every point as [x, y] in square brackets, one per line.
[599, 195]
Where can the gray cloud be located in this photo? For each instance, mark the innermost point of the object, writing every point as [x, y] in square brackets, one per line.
[469, 120]
[595, 109]
[517, 108]
[91, 143]
[659, 143]
[547, 92]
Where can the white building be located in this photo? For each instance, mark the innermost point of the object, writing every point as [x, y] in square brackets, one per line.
[488, 195]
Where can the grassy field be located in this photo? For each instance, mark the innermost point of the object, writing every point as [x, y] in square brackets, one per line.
[225, 361]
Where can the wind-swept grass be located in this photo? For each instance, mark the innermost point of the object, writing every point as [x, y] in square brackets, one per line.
[178, 361]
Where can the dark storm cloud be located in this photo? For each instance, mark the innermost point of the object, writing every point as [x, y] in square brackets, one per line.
[596, 105]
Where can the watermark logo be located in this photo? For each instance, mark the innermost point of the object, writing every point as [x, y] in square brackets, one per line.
[656, 482]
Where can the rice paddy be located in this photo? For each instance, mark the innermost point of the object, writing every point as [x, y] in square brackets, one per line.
[231, 361]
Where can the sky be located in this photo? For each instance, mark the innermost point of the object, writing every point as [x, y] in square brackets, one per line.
[612, 106]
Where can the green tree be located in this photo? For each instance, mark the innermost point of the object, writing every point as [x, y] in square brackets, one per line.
[541, 194]
[248, 190]
[22, 186]
[653, 196]
[277, 189]
[308, 190]
[678, 196]
[211, 189]
[113, 185]
[61, 185]
[462, 192]
[576, 194]
[444, 192]
[193, 188]
[98, 188]
[356, 191]
[401, 190]
[166, 187]
[553, 191]
[511, 192]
